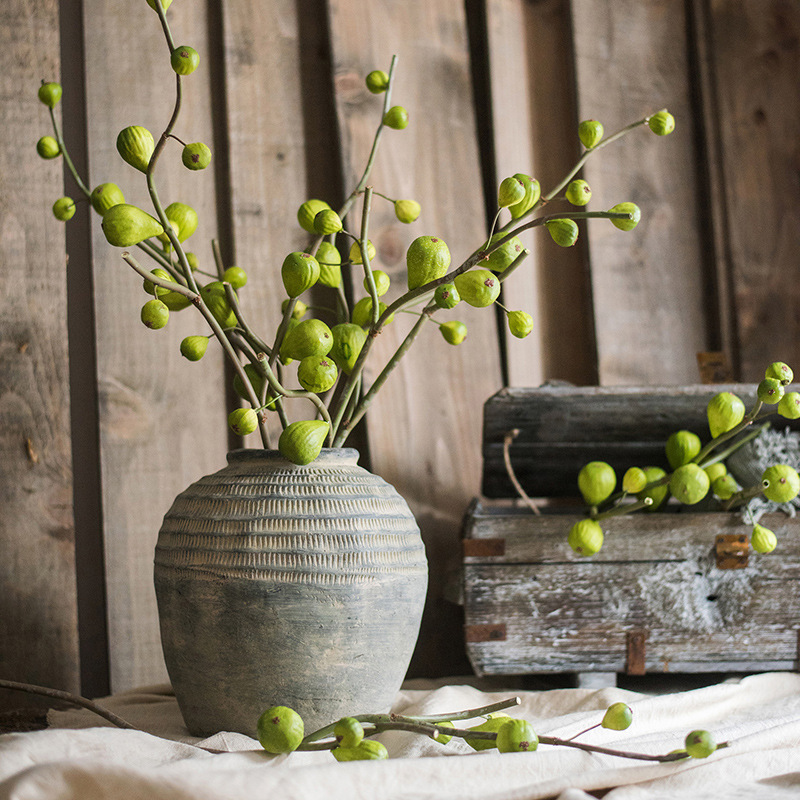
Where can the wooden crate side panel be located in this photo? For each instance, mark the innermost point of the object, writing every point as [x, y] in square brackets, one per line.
[562, 617]
[38, 612]
[424, 429]
[648, 285]
[162, 418]
[755, 64]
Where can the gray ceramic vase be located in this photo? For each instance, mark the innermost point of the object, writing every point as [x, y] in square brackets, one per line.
[286, 585]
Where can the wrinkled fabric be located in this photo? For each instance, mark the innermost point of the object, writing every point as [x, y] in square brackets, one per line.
[81, 756]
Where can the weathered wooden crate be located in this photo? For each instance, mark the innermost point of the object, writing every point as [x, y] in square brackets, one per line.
[673, 590]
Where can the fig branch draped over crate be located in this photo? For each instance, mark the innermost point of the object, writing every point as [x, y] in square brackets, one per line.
[329, 358]
[698, 470]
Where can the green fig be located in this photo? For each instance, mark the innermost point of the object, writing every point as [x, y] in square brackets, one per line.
[330, 265]
[105, 196]
[47, 147]
[317, 373]
[716, 470]
[724, 486]
[789, 405]
[520, 323]
[682, 447]
[590, 132]
[307, 212]
[634, 215]
[184, 218]
[564, 232]
[362, 312]
[235, 276]
[446, 296]
[184, 60]
[780, 372]
[299, 310]
[689, 484]
[770, 391]
[533, 192]
[64, 208]
[443, 738]
[407, 211]
[50, 94]
[579, 193]
[301, 442]
[780, 483]
[658, 494]
[175, 301]
[618, 717]
[662, 123]
[196, 155]
[377, 81]
[349, 732]
[311, 337]
[216, 300]
[504, 256]
[280, 729]
[151, 288]
[700, 744]
[763, 539]
[382, 282]
[396, 117]
[326, 222]
[634, 480]
[724, 411]
[300, 271]
[348, 339]
[192, 261]
[453, 331]
[596, 481]
[511, 192]
[367, 750]
[165, 4]
[586, 537]
[517, 736]
[478, 287]
[243, 421]
[125, 225]
[154, 314]
[194, 348]
[427, 259]
[491, 725]
[355, 252]
[136, 145]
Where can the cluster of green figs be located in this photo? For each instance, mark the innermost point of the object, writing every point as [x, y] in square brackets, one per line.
[322, 352]
[697, 470]
[280, 730]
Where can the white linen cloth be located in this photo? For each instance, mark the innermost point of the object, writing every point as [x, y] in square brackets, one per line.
[81, 757]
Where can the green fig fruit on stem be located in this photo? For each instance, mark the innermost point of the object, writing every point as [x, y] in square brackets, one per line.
[196, 156]
[564, 232]
[533, 191]
[377, 81]
[184, 60]
[367, 750]
[348, 340]
[446, 296]
[184, 218]
[317, 373]
[50, 94]
[136, 145]
[579, 193]
[407, 211]
[780, 483]
[427, 259]
[280, 729]
[724, 411]
[307, 212]
[657, 494]
[586, 537]
[689, 484]
[503, 257]
[520, 323]
[780, 372]
[763, 539]
[236, 277]
[105, 196]
[511, 192]
[596, 481]
[154, 314]
[517, 736]
[64, 208]
[789, 405]
[396, 117]
[194, 348]
[243, 421]
[349, 732]
[330, 265]
[311, 337]
[47, 147]
[453, 331]
[662, 123]
[590, 132]
[478, 287]
[125, 225]
[682, 447]
[302, 441]
[634, 216]
[299, 272]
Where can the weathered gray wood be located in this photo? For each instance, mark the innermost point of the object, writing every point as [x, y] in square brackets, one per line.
[647, 285]
[38, 606]
[561, 428]
[162, 418]
[755, 62]
[533, 116]
[424, 428]
[655, 574]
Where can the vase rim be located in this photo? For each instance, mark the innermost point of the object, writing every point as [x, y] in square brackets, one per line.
[327, 455]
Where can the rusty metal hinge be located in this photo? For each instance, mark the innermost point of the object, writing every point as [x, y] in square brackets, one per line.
[732, 550]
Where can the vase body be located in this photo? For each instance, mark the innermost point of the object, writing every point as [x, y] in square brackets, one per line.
[287, 585]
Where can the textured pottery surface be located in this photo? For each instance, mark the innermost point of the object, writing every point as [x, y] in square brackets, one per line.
[286, 585]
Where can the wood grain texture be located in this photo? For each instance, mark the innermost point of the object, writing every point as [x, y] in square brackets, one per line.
[162, 419]
[534, 129]
[38, 605]
[424, 429]
[267, 158]
[648, 285]
[655, 575]
[755, 61]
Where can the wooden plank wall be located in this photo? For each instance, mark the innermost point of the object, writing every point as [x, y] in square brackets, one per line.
[493, 87]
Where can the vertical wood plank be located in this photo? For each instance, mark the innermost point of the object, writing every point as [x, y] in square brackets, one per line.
[424, 430]
[162, 418]
[534, 126]
[648, 285]
[755, 67]
[38, 606]
[267, 157]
